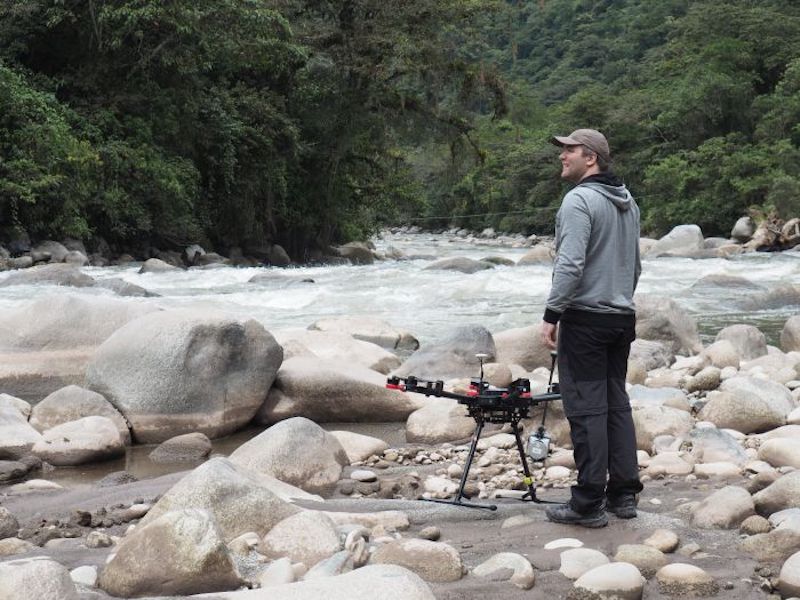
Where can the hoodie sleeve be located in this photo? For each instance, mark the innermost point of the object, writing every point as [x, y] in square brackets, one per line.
[572, 239]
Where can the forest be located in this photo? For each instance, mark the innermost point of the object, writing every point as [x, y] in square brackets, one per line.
[234, 123]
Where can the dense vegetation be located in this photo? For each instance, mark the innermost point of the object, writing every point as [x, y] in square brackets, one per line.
[308, 122]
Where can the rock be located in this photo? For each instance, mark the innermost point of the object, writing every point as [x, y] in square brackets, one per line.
[541, 254]
[781, 452]
[338, 564]
[789, 578]
[706, 380]
[181, 371]
[71, 403]
[614, 580]
[278, 572]
[180, 553]
[393, 582]
[756, 405]
[34, 485]
[189, 447]
[90, 439]
[711, 445]
[46, 344]
[431, 533]
[721, 354]
[37, 578]
[663, 540]
[782, 494]
[755, 524]
[297, 451]
[652, 421]
[577, 561]
[724, 509]
[124, 288]
[670, 463]
[719, 470]
[9, 526]
[239, 500]
[521, 570]
[461, 264]
[363, 475]
[433, 561]
[156, 265]
[644, 557]
[641, 396]
[563, 543]
[56, 274]
[790, 335]
[307, 537]
[86, 576]
[773, 547]
[13, 546]
[327, 391]
[116, 478]
[748, 341]
[368, 329]
[359, 447]
[440, 420]
[8, 401]
[743, 229]
[343, 348]
[453, 357]
[651, 354]
[661, 319]
[522, 346]
[357, 253]
[683, 579]
[98, 539]
[17, 437]
[682, 240]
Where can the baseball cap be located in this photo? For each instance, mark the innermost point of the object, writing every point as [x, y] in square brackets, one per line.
[591, 138]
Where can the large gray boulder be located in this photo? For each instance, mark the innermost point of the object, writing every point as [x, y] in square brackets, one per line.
[461, 264]
[714, 445]
[749, 342]
[743, 229]
[651, 354]
[522, 346]
[180, 553]
[181, 371]
[433, 561]
[327, 391]
[307, 537]
[342, 347]
[453, 357]
[652, 421]
[744, 412]
[724, 509]
[297, 451]
[440, 420]
[17, 437]
[783, 494]
[683, 240]
[661, 319]
[790, 334]
[36, 578]
[90, 439]
[71, 403]
[56, 274]
[46, 344]
[239, 499]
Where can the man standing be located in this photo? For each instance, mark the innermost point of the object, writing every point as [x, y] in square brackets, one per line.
[596, 270]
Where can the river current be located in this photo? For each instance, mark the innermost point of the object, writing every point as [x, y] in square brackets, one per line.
[430, 303]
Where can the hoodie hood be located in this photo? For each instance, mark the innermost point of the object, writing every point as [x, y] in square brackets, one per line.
[610, 186]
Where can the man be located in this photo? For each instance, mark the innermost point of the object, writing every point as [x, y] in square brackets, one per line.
[590, 315]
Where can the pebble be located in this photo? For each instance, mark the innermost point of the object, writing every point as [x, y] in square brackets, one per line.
[689, 549]
[655, 501]
[431, 533]
[755, 524]
[563, 543]
[98, 539]
[86, 575]
[663, 540]
[557, 472]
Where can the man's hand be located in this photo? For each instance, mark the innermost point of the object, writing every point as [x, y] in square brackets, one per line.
[549, 335]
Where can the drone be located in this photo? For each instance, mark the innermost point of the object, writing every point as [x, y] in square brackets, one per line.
[489, 404]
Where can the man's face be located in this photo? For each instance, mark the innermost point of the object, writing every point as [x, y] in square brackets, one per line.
[575, 163]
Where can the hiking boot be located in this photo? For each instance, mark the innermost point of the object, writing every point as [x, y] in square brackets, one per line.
[563, 513]
[622, 506]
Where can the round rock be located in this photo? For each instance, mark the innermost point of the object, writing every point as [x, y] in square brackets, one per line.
[645, 558]
[682, 579]
[34, 579]
[188, 447]
[663, 540]
[433, 561]
[614, 580]
[789, 579]
[577, 561]
[521, 570]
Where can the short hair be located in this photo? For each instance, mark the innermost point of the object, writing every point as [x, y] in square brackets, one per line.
[602, 164]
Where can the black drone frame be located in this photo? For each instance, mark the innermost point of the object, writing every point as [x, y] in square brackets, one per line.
[488, 404]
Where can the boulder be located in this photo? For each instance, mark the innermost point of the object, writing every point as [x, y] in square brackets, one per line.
[743, 229]
[307, 537]
[710, 445]
[577, 561]
[327, 391]
[790, 335]
[359, 447]
[522, 346]
[239, 500]
[645, 558]
[765, 404]
[783, 494]
[297, 451]
[682, 240]
[9, 401]
[651, 354]
[124, 288]
[71, 403]
[670, 463]
[9, 526]
[46, 344]
[433, 561]
[343, 348]
[453, 357]
[36, 578]
[641, 395]
[17, 437]
[773, 547]
[541, 254]
[460, 264]
[781, 452]
[180, 553]
[357, 253]
[368, 329]
[661, 319]
[189, 447]
[789, 578]
[748, 341]
[520, 568]
[681, 579]
[724, 509]
[618, 580]
[56, 274]
[721, 354]
[87, 440]
[156, 265]
[440, 420]
[652, 421]
[181, 371]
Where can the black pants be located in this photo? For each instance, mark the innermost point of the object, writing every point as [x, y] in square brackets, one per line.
[592, 364]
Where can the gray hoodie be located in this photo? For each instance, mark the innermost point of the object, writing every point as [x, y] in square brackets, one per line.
[597, 263]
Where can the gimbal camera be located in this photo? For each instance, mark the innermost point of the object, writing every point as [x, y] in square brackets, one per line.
[489, 404]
